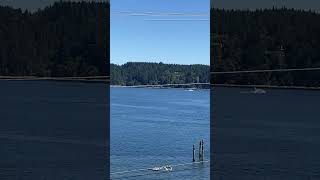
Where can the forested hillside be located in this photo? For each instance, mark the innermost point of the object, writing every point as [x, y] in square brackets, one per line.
[64, 39]
[72, 39]
[265, 39]
[142, 73]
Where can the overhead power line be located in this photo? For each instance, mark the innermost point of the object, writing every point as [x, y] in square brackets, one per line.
[266, 70]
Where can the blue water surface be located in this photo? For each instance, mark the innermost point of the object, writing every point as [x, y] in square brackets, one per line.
[155, 127]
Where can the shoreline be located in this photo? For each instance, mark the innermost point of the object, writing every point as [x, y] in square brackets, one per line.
[90, 79]
[159, 87]
[106, 79]
[226, 86]
[266, 87]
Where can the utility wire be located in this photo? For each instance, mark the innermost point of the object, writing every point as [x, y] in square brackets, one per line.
[266, 70]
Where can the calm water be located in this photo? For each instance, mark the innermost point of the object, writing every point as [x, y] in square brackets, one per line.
[56, 130]
[272, 136]
[52, 130]
[155, 127]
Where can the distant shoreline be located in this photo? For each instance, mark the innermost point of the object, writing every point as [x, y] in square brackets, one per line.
[154, 87]
[227, 86]
[266, 86]
[190, 86]
[106, 79]
[98, 79]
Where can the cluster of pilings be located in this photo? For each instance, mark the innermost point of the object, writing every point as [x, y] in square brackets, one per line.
[201, 151]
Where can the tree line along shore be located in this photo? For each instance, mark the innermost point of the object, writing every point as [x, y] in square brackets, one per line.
[63, 39]
[70, 39]
[265, 39]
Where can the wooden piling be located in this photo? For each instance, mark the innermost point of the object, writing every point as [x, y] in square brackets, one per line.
[193, 153]
[202, 151]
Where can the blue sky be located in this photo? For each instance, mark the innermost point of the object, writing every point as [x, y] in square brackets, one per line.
[170, 31]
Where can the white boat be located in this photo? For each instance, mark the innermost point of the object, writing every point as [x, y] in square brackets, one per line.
[156, 168]
[258, 91]
[190, 89]
[162, 168]
[167, 168]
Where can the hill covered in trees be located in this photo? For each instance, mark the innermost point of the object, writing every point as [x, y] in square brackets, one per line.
[143, 73]
[72, 39]
[245, 40]
[265, 39]
[64, 39]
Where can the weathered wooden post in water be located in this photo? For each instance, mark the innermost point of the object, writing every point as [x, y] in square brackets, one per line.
[200, 150]
[193, 153]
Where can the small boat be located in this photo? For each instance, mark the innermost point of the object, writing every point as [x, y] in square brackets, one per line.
[167, 168]
[258, 91]
[162, 168]
[190, 89]
[156, 168]
[254, 91]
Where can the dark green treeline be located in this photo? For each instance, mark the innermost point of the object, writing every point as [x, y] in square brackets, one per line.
[142, 73]
[265, 39]
[71, 39]
[64, 39]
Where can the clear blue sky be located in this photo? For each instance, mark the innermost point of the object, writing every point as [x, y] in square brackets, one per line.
[158, 35]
